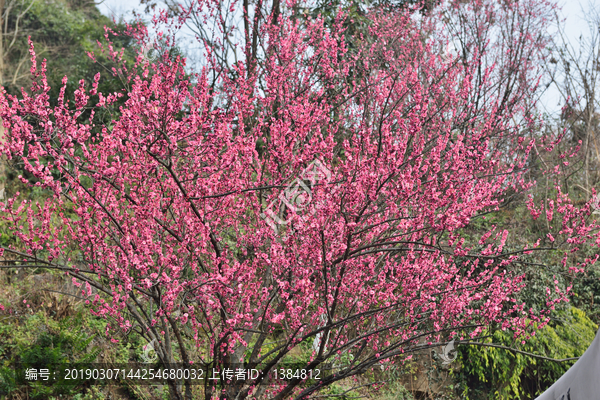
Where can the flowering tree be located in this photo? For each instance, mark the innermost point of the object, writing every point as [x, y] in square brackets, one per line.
[318, 198]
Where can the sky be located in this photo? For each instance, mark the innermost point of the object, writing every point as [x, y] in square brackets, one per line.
[572, 10]
[575, 26]
[118, 8]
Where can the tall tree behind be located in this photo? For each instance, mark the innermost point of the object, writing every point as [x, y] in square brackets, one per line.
[574, 69]
[12, 12]
[63, 32]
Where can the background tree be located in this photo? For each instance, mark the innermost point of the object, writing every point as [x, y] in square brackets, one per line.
[569, 72]
[573, 70]
[12, 13]
[63, 32]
